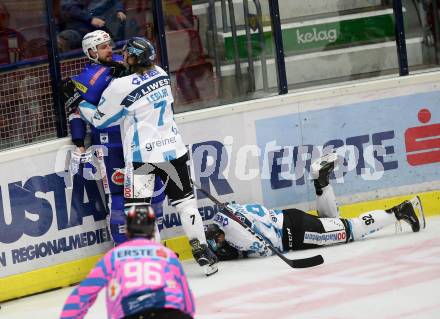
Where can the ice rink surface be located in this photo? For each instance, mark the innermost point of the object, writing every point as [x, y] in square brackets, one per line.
[392, 276]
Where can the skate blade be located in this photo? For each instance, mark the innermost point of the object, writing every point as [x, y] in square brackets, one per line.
[398, 227]
[210, 269]
[418, 208]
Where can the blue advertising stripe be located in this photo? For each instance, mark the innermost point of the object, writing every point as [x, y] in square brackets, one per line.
[393, 124]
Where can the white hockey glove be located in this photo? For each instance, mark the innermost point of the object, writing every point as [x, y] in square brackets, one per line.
[80, 160]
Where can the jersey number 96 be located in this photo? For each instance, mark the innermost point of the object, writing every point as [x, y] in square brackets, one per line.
[143, 274]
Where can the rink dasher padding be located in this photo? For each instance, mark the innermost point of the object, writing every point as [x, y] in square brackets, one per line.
[67, 274]
[40, 280]
[72, 272]
[243, 152]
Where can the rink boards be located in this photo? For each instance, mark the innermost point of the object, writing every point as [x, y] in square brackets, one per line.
[52, 228]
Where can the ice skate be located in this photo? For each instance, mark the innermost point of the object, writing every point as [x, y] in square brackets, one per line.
[410, 211]
[204, 257]
[321, 170]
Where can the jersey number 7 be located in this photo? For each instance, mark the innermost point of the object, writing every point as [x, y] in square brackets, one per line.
[162, 106]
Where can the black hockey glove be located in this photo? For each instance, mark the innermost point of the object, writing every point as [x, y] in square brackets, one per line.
[227, 252]
[117, 69]
[70, 96]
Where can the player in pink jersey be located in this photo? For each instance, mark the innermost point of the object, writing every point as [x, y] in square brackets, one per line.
[143, 279]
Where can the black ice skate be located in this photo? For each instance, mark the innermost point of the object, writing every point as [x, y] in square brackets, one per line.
[321, 170]
[410, 211]
[204, 257]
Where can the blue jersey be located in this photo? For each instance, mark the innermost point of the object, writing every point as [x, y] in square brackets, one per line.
[90, 83]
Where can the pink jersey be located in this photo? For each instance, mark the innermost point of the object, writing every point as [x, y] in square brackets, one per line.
[139, 275]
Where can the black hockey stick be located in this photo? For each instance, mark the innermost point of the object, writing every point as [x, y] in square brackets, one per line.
[294, 263]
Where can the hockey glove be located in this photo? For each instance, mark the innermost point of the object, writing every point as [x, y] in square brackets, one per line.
[70, 96]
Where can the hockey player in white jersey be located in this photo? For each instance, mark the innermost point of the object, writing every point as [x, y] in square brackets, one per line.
[143, 103]
[293, 229]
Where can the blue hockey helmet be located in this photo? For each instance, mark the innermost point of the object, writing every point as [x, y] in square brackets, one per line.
[142, 49]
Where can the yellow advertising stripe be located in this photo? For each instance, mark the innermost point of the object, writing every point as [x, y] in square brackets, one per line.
[179, 245]
[72, 272]
[69, 273]
[430, 202]
[61, 275]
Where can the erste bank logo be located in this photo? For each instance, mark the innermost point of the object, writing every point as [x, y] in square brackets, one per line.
[423, 142]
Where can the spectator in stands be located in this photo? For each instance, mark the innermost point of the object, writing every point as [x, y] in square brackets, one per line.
[113, 13]
[36, 48]
[12, 42]
[69, 40]
[86, 16]
[178, 14]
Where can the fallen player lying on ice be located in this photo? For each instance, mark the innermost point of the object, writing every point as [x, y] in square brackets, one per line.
[293, 229]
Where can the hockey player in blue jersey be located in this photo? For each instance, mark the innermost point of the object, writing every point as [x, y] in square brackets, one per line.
[153, 146]
[293, 229]
[88, 85]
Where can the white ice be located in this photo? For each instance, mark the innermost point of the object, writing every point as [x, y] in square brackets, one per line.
[387, 276]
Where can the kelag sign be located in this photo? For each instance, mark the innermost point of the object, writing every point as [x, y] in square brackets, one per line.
[385, 143]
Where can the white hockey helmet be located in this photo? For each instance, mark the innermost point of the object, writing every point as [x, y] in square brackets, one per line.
[92, 39]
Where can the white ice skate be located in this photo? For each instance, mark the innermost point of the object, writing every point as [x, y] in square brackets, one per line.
[206, 259]
[321, 170]
[324, 163]
[410, 211]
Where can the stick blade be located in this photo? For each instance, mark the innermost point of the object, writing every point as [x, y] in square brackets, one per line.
[306, 262]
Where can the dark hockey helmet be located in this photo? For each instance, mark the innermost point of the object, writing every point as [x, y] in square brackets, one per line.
[140, 221]
[214, 236]
[142, 49]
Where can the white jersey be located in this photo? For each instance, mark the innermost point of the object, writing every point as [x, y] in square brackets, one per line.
[143, 106]
[268, 223]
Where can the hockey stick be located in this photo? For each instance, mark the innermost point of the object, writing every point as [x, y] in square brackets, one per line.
[294, 263]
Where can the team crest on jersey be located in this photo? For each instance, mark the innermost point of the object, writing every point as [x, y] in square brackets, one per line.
[161, 253]
[118, 177]
[114, 289]
[103, 137]
[171, 283]
[98, 115]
